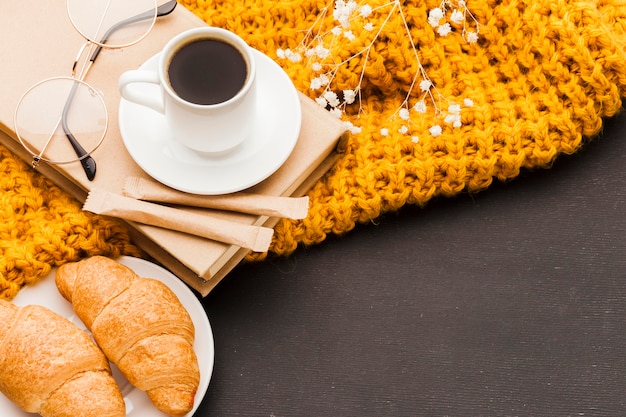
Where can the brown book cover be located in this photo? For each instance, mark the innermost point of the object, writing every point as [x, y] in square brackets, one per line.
[40, 42]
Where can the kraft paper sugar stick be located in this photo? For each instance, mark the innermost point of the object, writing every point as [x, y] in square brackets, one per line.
[103, 202]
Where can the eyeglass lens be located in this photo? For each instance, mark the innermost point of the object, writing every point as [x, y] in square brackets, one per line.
[47, 121]
[112, 23]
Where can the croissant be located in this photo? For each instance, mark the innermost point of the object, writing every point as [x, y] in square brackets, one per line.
[140, 325]
[51, 367]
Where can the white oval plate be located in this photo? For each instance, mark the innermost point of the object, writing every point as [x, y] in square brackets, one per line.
[277, 128]
[138, 404]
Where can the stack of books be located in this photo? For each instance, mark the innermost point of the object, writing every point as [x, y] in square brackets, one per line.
[40, 42]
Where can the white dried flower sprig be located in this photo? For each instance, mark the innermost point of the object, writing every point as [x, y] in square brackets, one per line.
[458, 14]
[348, 16]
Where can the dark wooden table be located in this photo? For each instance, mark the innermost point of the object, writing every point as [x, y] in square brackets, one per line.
[511, 302]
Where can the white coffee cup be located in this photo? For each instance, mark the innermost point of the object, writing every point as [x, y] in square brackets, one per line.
[208, 103]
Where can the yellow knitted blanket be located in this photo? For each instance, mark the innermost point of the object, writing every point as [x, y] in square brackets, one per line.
[441, 96]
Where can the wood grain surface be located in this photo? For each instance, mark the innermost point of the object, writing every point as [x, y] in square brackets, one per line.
[511, 302]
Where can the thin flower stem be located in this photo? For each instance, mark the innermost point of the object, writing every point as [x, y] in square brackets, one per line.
[322, 48]
[368, 48]
[319, 20]
[417, 58]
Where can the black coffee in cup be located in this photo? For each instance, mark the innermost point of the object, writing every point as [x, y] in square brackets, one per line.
[207, 71]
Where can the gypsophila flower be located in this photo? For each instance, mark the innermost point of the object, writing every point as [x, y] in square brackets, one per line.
[425, 85]
[319, 82]
[457, 17]
[316, 84]
[316, 66]
[438, 18]
[384, 131]
[349, 96]
[454, 108]
[336, 112]
[343, 10]
[352, 128]
[321, 101]
[454, 115]
[365, 10]
[289, 54]
[332, 98]
[369, 27]
[435, 16]
[294, 57]
[420, 107]
[404, 114]
[322, 52]
[444, 30]
[435, 131]
[453, 119]
[403, 130]
[337, 30]
[348, 34]
[415, 139]
[468, 102]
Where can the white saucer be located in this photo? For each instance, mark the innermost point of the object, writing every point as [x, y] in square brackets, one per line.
[277, 129]
[137, 402]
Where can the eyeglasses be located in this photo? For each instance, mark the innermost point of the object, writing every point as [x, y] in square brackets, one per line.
[63, 119]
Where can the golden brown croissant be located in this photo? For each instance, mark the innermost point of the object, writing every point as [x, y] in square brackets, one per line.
[140, 325]
[51, 367]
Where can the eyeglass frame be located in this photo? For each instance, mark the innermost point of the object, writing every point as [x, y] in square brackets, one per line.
[84, 157]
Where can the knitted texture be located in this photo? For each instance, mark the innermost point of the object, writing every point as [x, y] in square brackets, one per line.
[538, 80]
[541, 77]
[43, 227]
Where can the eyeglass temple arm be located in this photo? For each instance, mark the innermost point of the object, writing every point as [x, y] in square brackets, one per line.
[88, 163]
[162, 10]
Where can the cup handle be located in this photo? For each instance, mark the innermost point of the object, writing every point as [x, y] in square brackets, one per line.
[140, 96]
